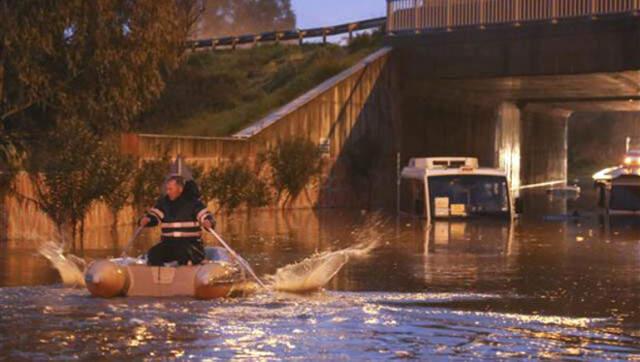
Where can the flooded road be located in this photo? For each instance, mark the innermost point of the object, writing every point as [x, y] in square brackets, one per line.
[556, 284]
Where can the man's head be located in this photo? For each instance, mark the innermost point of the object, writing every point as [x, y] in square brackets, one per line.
[175, 186]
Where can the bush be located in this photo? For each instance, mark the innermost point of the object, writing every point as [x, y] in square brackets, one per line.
[366, 41]
[71, 168]
[197, 172]
[147, 182]
[233, 186]
[11, 156]
[294, 162]
[115, 176]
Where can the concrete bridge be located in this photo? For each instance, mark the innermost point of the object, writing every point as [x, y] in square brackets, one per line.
[501, 78]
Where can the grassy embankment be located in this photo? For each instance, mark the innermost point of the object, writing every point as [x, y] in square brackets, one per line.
[218, 93]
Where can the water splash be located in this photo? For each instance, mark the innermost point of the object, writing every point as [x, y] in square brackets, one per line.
[316, 271]
[70, 267]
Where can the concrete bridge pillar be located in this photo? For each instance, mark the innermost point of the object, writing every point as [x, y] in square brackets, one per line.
[544, 144]
[508, 141]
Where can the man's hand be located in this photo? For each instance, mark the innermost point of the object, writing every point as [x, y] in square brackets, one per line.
[144, 221]
[207, 224]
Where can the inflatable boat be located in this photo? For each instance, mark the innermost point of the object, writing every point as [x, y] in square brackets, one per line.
[219, 276]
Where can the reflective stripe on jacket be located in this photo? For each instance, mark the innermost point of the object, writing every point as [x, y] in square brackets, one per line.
[179, 219]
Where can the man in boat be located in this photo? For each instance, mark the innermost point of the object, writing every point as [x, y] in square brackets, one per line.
[180, 214]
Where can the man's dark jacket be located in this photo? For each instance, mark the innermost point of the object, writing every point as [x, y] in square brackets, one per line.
[180, 221]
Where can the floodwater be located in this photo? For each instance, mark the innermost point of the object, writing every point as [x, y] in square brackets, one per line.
[555, 284]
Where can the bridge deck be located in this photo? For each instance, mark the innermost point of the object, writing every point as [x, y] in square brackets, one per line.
[432, 15]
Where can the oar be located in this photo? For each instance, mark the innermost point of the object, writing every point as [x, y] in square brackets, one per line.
[237, 257]
[133, 238]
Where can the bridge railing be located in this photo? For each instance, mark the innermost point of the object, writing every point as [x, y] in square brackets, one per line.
[289, 35]
[408, 15]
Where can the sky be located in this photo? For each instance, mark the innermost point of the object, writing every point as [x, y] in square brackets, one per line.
[316, 13]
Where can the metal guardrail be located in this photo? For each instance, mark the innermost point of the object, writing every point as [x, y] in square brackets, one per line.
[299, 35]
[417, 15]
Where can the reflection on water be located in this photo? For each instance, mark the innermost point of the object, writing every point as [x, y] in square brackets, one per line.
[332, 325]
[561, 287]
